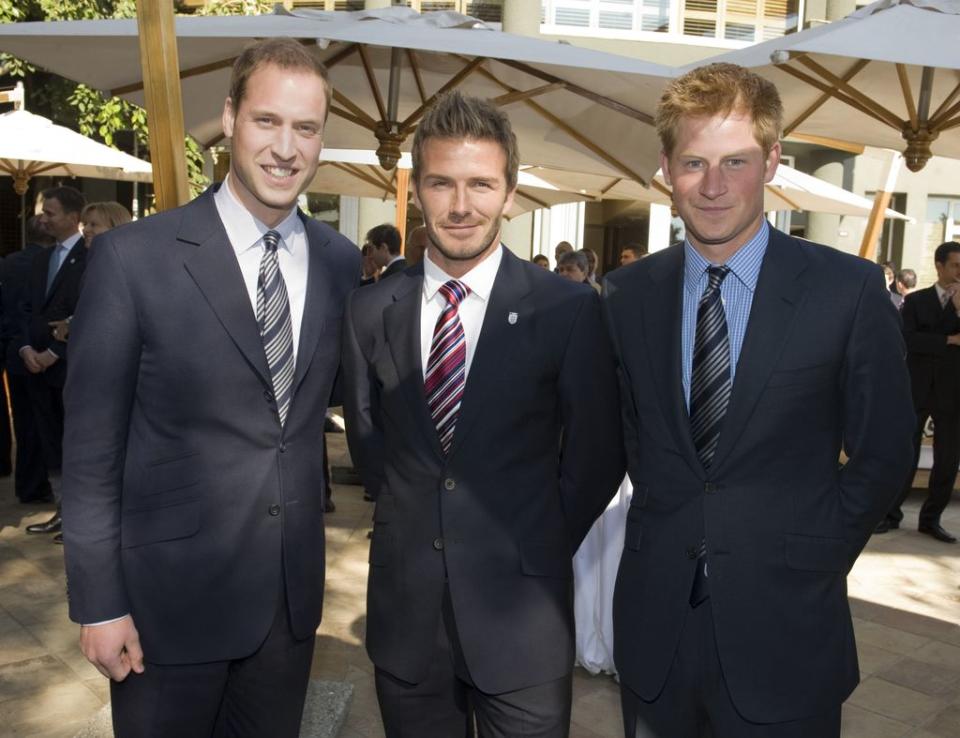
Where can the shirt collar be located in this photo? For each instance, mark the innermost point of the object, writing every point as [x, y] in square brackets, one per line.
[244, 230]
[479, 279]
[744, 264]
[71, 242]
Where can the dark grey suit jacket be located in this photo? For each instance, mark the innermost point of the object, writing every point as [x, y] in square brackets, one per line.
[537, 453]
[821, 369]
[185, 502]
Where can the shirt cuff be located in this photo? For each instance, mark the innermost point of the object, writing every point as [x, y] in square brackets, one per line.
[105, 622]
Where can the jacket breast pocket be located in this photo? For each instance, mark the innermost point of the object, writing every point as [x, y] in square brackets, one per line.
[807, 376]
[170, 523]
[812, 553]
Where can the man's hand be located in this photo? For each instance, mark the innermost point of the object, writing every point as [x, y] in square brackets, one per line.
[953, 291]
[46, 360]
[31, 360]
[953, 339]
[61, 329]
[114, 648]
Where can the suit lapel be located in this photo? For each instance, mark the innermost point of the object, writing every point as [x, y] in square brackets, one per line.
[316, 304]
[401, 323]
[77, 253]
[775, 302]
[497, 340]
[214, 268]
[662, 317]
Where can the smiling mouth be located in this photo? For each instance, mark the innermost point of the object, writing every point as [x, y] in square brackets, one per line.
[279, 172]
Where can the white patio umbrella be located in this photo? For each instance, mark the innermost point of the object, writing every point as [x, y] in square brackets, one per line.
[887, 75]
[790, 190]
[579, 108]
[358, 173]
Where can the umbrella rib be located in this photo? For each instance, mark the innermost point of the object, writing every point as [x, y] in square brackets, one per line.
[372, 80]
[865, 101]
[832, 91]
[37, 168]
[358, 173]
[947, 125]
[531, 198]
[654, 184]
[184, 74]
[778, 192]
[569, 130]
[340, 56]
[944, 110]
[581, 91]
[341, 113]
[908, 96]
[455, 80]
[415, 68]
[613, 183]
[368, 121]
[848, 75]
[512, 97]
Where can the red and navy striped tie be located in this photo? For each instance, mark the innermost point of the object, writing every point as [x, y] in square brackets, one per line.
[447, 364]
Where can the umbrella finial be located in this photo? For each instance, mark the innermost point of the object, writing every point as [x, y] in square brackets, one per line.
[918, 151]
[388, 152]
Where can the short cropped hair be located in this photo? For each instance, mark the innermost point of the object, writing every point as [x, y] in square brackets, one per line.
[720, 89]
[70, 199]
[576, 257]
[944, 250]
[385, 234]
[285, 53]
[908, 278]
[457, 116]
[112, 212]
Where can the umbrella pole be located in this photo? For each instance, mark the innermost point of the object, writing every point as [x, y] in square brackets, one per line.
[403, 194]
[23, 219]
[868, 246]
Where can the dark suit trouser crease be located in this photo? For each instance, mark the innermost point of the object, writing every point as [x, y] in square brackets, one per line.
[943, 475]
[260, 695]
[47, 402]
[441, 705]
[695, 701]
[30, 472]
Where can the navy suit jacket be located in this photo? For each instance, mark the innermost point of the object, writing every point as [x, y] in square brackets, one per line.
[185, 502]
[537, 453]
[821, 369]
[933, 363]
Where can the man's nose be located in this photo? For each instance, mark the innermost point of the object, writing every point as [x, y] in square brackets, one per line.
[283, 145]
[713, 184]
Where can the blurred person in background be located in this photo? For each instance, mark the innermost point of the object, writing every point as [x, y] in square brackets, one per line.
[573, 265]
[541, 261]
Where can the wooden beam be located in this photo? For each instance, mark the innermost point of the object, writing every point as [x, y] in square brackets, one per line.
[848, 75]
[908, 97]
[852, 91]
[947, 102]
[778, 192]
[403, 194]
[466, 71]
[417, 77]
[881, 201]
[161, 78]
[513, 97]
[830, 143]
[372, 81]
[834, 92]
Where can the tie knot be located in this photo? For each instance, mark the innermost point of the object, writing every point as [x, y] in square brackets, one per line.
[716, 276]
[271, 239]
[454, 292]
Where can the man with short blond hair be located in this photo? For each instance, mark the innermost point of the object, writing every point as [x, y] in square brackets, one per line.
[749, 361]
[482, 413]
[204, 351]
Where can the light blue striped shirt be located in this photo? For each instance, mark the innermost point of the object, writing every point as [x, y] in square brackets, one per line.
[736, 292]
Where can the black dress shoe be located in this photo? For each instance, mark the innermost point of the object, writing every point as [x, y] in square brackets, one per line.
[886, 525]
[937, 531]
[53, 525]
[38, 500]
[58, 538]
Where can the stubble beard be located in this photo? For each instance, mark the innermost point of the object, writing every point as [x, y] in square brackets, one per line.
[490, 236]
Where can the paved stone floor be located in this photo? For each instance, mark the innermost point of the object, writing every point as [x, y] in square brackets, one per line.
[905, 593]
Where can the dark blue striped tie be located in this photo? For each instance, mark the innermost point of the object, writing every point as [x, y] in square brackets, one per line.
[276, 330]
[710, 387]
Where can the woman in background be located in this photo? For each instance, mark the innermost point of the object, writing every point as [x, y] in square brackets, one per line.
[100, 217]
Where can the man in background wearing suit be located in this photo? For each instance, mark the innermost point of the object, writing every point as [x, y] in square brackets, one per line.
[30, 473]
[749, 360]
[50, 295]
[931, 329]
[385, 240]
[482, 413]
[204, 352]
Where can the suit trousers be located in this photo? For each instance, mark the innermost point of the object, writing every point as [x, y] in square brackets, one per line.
[260, 695]
[47, 402]
[943, 475]
[30, 473]
[695, 701]
[447, 702]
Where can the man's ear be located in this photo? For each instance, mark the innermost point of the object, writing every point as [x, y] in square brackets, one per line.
[772, 162]
[665, 167]
[228, 118]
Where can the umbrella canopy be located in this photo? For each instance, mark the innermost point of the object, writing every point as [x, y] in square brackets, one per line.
[887, 75]
[359, 174]
[31, 145]
[573, 107]
[789, 190]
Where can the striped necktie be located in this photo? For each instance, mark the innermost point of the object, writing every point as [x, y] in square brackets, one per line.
[710, 387]
[446, 366]
[273, 315]
[710, 383]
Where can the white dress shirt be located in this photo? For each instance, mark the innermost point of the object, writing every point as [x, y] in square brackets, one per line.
[472, 310]
[246, 236]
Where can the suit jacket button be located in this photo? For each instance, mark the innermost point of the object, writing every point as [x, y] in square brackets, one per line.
[438, 544]
[449, 484]
[274, 510]
[692, 552]
[268, 395]
[709, 487]
[283, 448]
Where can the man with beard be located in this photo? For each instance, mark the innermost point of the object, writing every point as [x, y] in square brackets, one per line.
[483, 415]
